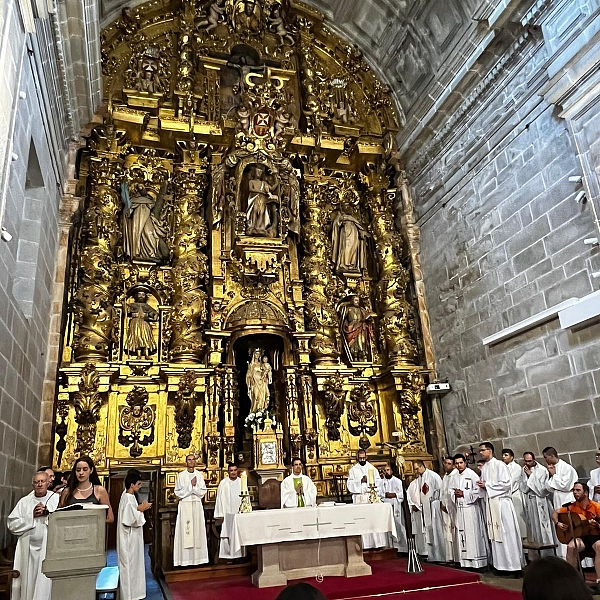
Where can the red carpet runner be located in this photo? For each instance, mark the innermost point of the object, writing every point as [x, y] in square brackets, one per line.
[387, 581]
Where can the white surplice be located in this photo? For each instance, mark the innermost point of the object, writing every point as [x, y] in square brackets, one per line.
[130, 549]
[560, 486]
[393, 485]
[502, 524]
[289, 497]
[448, 517]
[190, 547]
[515, 471]
[432, 515]
[228, 502]
[470, 531]
[359, 492]
[413, 495]
[593, 481]
[538, 510]
[31, 547]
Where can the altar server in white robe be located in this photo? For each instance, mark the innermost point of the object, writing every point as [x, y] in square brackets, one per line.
[29, 522]
[594, 481]
[515, 470]
[448, 509]
[538, 507]
[190, 546]
[430, 487]
[502, 525]
[130, 539]
[358, 486]
[470, 533]
[413, 496]
[561, 479]
[391, 491]
[228, 503]
[298, 490]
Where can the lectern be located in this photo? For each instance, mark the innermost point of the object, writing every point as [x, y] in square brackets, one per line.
[75, 552]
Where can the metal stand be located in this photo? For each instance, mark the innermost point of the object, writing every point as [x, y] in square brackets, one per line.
[414, 564]
[373, 495]
[572, 532]
[245, 504]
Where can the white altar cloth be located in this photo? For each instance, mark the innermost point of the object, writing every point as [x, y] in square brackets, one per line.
[310, 523]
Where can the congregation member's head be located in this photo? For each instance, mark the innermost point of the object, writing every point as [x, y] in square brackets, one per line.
[552, 578]
[232, 471]
[420, 466]
[507, 456]
[460, 462]
[486, 449]
[133, 481]
[580, 492]
[83, 473]
[297, 466]
[529, 459]
[449, 464]
[550, 455]
[49, 471]
[480, 464]
[190, 461]
[361, 457]
[40, 484]
[301, 591]
[388, 472]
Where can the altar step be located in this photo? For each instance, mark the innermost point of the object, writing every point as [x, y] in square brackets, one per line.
[389, 581]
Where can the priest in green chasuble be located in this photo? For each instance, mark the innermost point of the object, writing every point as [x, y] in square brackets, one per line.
[298, 490]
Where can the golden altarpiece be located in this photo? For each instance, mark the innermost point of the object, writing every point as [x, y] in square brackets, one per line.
[237, 286]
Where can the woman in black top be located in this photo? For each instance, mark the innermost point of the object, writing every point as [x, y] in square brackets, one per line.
[84, 487]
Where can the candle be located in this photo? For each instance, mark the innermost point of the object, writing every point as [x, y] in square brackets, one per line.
[371, 476]
[244, 478]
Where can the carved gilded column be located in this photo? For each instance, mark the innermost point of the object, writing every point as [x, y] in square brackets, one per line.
[317, 274]
[190, 267]
[398, 322]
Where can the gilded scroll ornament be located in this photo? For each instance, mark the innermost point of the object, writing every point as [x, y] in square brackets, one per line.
[410, 408]
[87, 403]
[335, 400]
[135, 419]
[362, 416]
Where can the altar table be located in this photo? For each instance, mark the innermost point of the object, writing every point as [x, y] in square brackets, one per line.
[294, 543]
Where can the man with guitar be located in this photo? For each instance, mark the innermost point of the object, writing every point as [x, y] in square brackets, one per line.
[584, 514]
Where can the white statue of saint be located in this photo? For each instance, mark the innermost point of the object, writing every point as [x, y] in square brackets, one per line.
[258, 379]
[349, 240]
[260, 222]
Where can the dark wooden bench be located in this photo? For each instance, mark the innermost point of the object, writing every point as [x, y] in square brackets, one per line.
[7, 573]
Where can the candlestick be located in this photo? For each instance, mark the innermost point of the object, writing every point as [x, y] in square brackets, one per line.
[371, 476]
[244, 484]
[373, 495]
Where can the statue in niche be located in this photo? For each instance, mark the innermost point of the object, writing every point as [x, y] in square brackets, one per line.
[147, 72]
[143, 231]
[249, 18]
[356, 324]
[140, 337]
[261, 213]
[349, 239]
[258, 378]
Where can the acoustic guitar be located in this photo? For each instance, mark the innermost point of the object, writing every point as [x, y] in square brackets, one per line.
[581, 527]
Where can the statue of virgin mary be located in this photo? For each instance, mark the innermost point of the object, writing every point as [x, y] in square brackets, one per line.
[258, 378]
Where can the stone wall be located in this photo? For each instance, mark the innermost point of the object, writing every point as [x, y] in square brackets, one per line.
[502, 236]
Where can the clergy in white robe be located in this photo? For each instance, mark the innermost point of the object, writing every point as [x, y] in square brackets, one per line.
[470, 530]
[29, 522]
[562, 478]
[502, 524]
[515, 470]
[447, 507]
[391, 491]
[190, 545]
[430, 487]
[413, 495]
[594, 481]
[298, 490]
[538, 507]
[228, 503]
[358, 486]
[130, 540]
